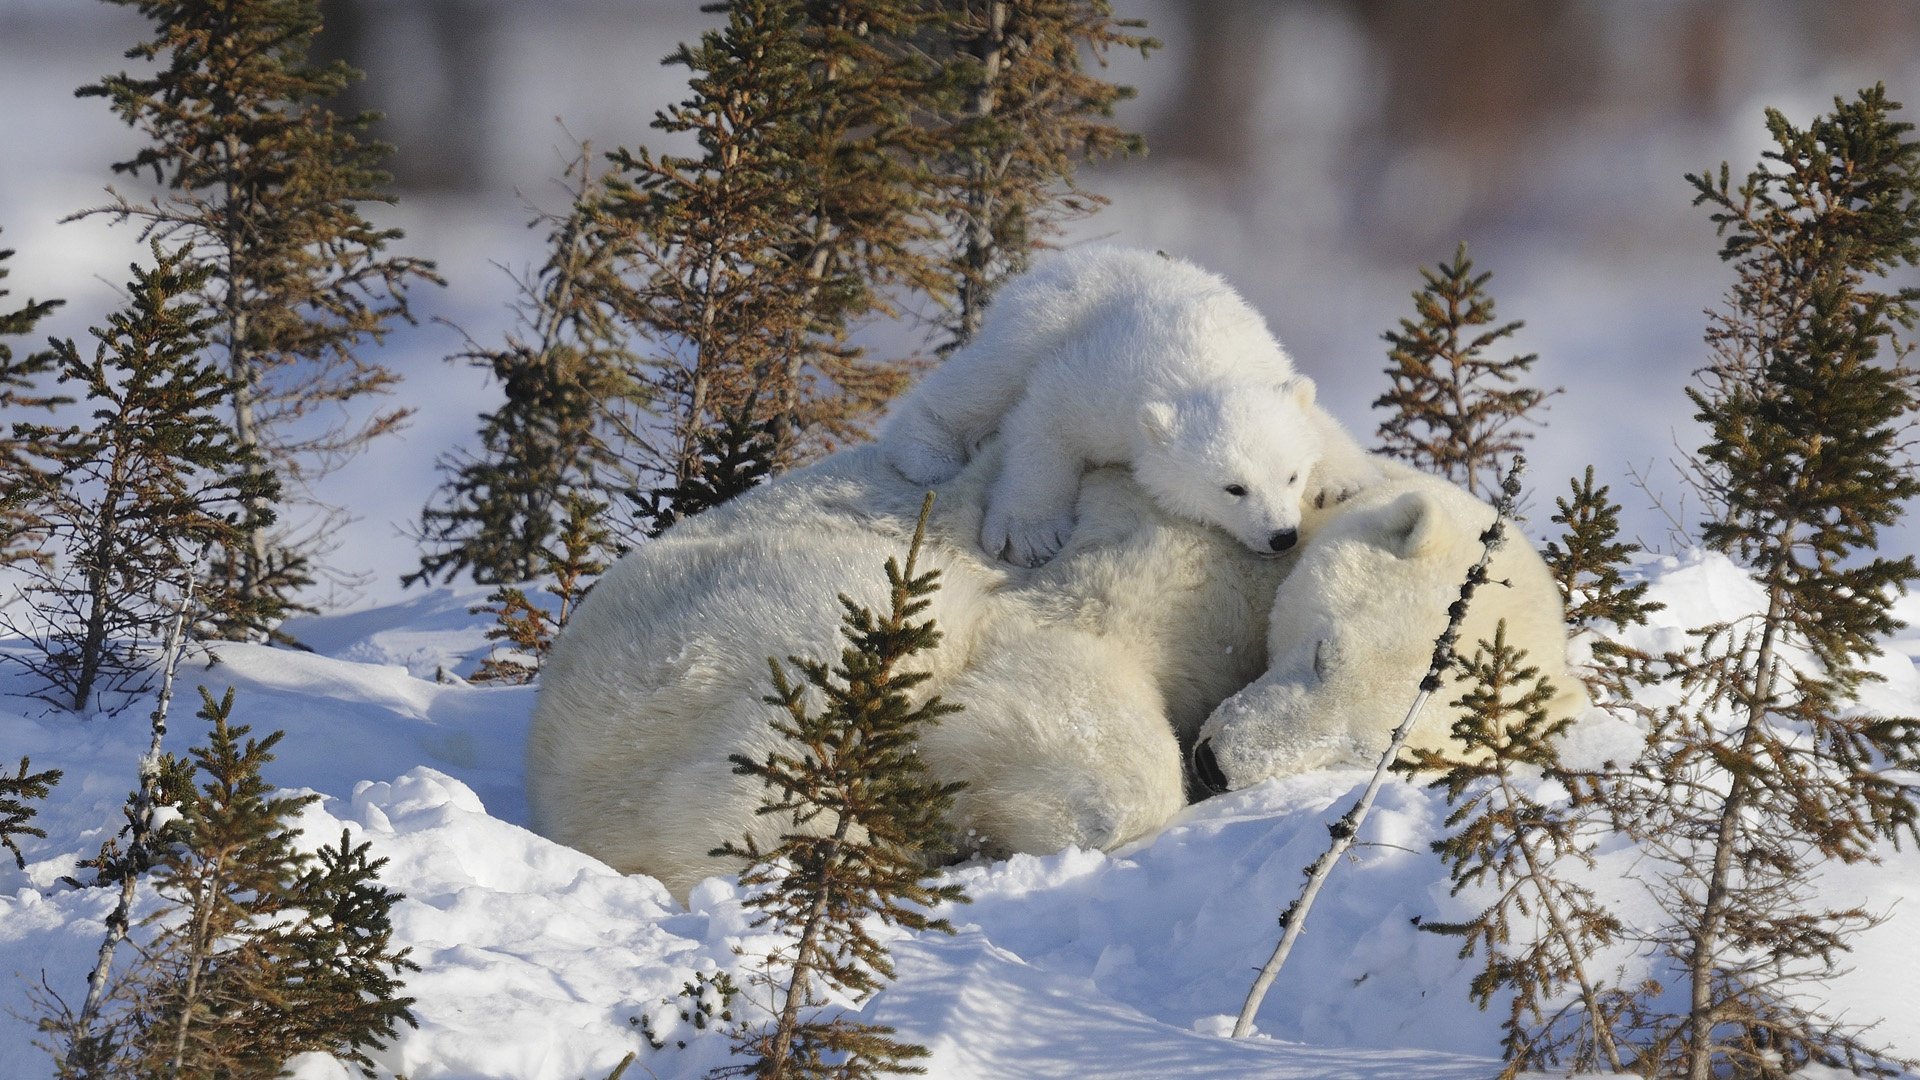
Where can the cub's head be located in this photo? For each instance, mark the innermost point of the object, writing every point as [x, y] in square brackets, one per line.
[1235, 456]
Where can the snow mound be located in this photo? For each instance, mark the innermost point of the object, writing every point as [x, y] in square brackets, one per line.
[539, 963]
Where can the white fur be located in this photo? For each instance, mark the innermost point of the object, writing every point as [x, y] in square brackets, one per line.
[1081, 681]
[1113, 356]
[1353, 629]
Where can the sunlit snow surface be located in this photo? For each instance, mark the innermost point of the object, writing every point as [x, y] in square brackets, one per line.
[538, 961]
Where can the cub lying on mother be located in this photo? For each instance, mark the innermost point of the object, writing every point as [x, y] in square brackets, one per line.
[1110, 356]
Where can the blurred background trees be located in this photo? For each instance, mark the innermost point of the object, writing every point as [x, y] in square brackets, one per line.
[1314, 151]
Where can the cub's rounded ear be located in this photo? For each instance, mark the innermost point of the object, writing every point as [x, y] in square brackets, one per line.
[1410, 526]
[1300, 389]
[1157, 419]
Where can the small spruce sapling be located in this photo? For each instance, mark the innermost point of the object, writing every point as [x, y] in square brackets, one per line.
[1455, 410]
[1346, 830]
[525, 627]
[22, 387]
[732, 457]
[1509, 835]
[153, 471]
[1589, 563]
[262, 951]
[18, 793]
[1764, 771]
[863, 817]
[566, 374]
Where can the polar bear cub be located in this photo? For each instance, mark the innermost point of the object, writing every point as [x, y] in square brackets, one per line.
[1115, 356]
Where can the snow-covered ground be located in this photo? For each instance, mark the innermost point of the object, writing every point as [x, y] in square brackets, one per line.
[538, 962]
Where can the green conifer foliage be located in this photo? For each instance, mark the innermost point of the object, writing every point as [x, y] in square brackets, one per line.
[1763, 773]
[526, 628]
[569, 403]
[17, 794]
[1028, 114]
[1455, 409]
[262, 952]
[153, 475]
[863, 816]
[1588, 563]
[263, 184]
[733, 457]
[1509, 837]
[751, 259]
[22, 388]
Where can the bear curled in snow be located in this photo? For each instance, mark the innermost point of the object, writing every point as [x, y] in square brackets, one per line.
[1110, 356]
[1081, 681]
[1353, 629]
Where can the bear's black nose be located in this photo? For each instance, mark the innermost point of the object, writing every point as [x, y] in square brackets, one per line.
[1208, 769]
[1283, 539]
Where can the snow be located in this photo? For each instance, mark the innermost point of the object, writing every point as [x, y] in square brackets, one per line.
[538, 962]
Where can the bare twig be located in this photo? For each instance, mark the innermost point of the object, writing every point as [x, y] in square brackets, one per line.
[1347, 828]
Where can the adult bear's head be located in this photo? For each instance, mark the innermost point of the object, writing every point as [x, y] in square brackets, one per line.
[1353, 629]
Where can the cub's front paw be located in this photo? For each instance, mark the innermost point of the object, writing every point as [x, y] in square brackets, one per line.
[1333, 483]
[1024, 541]
[925, 462]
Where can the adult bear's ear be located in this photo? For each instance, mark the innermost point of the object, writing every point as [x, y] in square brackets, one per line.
[1157, 419]
[1411, 525]
[1300, 389]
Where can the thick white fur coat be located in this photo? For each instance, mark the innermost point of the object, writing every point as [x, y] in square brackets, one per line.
[1075, 677]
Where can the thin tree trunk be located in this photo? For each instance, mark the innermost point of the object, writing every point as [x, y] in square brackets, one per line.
[1700, 1014]
[1602, 1031]
[139, 823]
[804, 959]
[991, 50]
[244, 369]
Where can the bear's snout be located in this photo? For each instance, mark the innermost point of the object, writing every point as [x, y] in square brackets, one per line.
[1283, 539]
[1207, 768]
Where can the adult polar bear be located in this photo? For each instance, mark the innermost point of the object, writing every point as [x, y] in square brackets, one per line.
[1081, 680]
[1354, 624]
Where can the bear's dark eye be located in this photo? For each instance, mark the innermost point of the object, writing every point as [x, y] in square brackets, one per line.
[1293, 478]
[1236, 490]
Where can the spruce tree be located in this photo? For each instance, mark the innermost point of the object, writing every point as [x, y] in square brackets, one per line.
[1455, 410]
[1588, 563]
[862, 816]
[566, 374]
[17, 795]
[264, 186]
[262, 952]
[1508, 835]
[750, 260]
[524, 626]
[730, 458]
[1762, 772]
[22, 388]
[1028, 114]
[153, 475]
